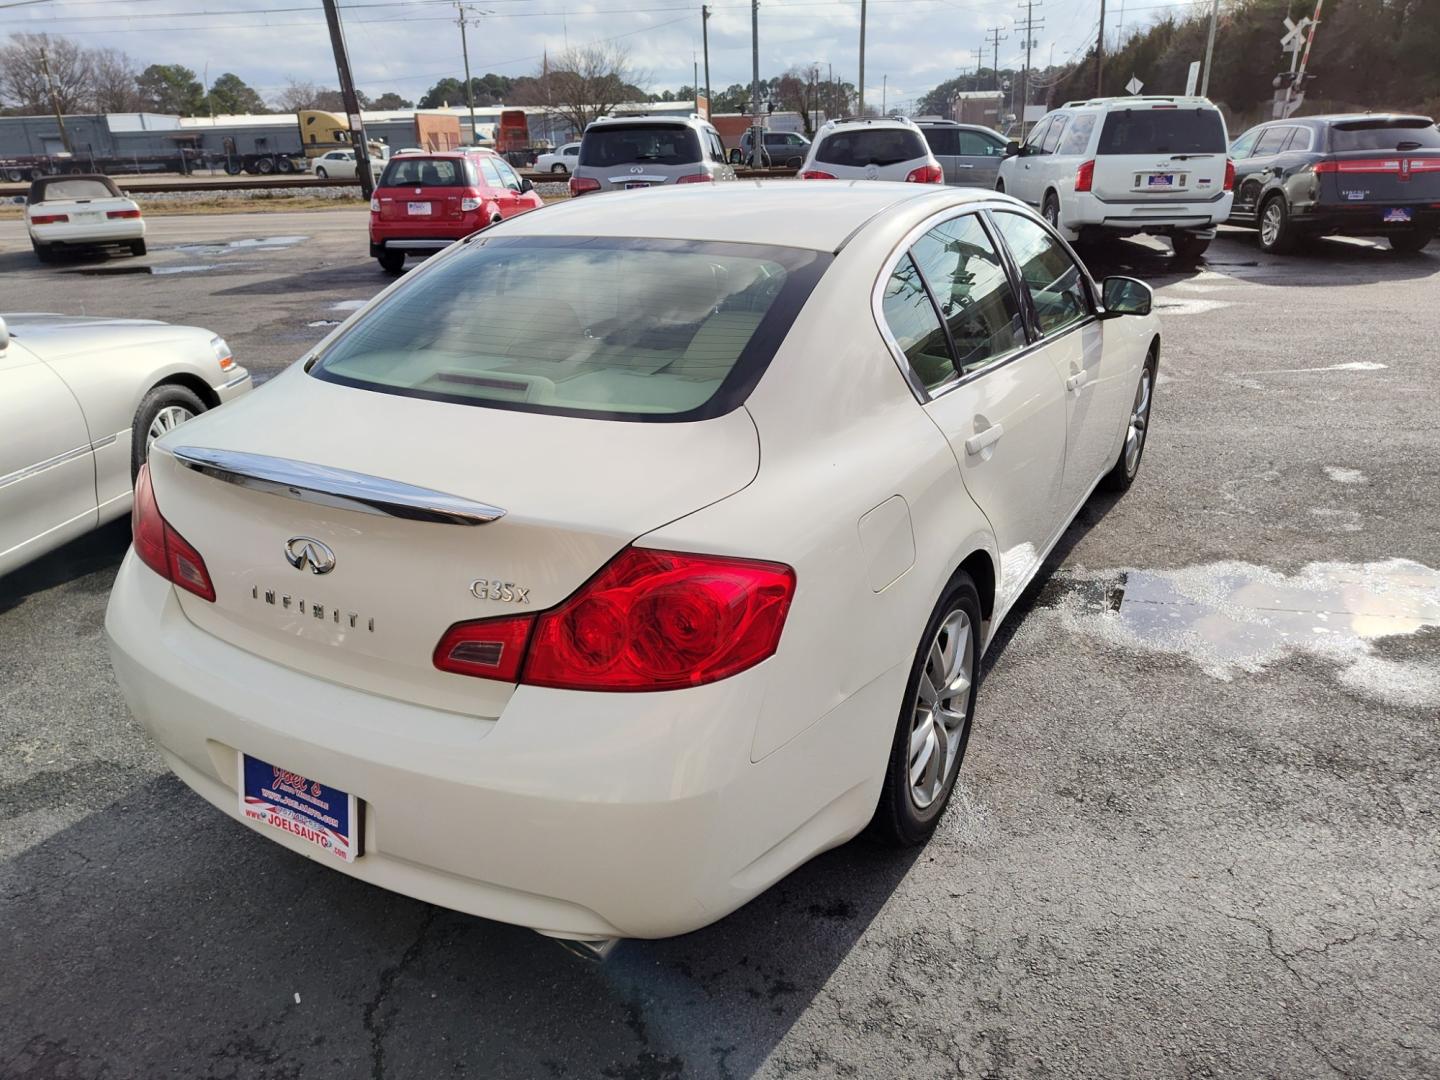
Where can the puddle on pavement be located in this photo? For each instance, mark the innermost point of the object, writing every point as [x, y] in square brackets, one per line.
[232, 246]
[1344, 476]
[348, 305]
[134, 268]
[1233, 617]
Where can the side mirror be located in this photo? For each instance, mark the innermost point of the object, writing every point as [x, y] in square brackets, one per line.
[525, 184]
[4, 336]
[1125, 296]
[1012, 148]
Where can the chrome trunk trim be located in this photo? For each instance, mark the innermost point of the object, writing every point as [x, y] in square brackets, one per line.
[326, 486]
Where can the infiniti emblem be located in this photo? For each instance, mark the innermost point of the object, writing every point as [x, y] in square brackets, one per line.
[305, 553]
[637, 169]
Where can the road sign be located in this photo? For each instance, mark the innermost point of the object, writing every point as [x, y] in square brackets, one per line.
[1193, 79]
[1134, 85]
[1294, 38]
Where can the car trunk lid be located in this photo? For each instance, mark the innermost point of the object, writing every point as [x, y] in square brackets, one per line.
[572, 491]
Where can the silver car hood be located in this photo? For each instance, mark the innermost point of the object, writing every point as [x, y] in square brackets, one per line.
[54, 336]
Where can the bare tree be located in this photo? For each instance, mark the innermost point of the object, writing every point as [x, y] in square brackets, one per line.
[586, 82]
[297, 95]
[113, 82]
[22, 78]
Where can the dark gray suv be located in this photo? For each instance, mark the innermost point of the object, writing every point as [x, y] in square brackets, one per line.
[622, 153]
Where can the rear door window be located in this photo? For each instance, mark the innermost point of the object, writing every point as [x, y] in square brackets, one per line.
[871, 146]
[617, 328]
[1299, 141]
[1077, 139]
[978, 144]
[628, 144]
[1271, 140]
[915, 325]
[424, 172]
[1162, 131]
[1413, 134]
[1055, 281]
[493, 180]
[943, 140]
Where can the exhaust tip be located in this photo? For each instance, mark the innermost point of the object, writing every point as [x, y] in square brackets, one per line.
[594, 950]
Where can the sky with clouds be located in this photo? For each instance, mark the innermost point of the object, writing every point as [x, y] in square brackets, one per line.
[407, 45]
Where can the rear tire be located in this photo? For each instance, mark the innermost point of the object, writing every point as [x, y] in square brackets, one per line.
[1050, 210]
[43, 252]
[137, 247]
[162, 409]
[1127, 465]
[285, 165]
[392, 262]
[558, 169]
[931, 737]
[1411, 242]
[1188, 247]
[1277, 234]
[265, 166]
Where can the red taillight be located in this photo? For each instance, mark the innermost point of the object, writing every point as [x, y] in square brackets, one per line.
[581, 184]
[1229, 175]
[815, 174]
[1358, 165]
[696, 178]
[49, 219]
[112, 214]
[650, 620]
[163, 549]
[1085, 176]
[926, 174]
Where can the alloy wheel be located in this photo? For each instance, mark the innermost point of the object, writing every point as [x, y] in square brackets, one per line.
[942, 709]
[1271, 221]
[1139, 421]
[166, 420]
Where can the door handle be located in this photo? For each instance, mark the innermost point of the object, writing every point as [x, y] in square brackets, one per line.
[963, 166]
[1076, 381]
[989, 437]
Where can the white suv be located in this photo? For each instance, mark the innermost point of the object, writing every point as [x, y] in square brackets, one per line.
[882, 148]
[1121, 166]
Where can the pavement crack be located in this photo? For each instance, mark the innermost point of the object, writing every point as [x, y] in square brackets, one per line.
[378, 1025]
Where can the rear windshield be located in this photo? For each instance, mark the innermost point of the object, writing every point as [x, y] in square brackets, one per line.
[76, 188]
[615, 328]
[1411, 134]
[1163, 131]
[871, 146]
[653, 144]
[425, 172]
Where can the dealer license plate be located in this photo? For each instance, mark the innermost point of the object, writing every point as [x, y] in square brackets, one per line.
[1397, 215]
[628, 187]
[417, 209]
[301, 807]
[1160, 180]
[88, 215]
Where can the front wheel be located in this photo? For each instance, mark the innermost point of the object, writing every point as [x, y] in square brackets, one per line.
[321, 173]
[163, 409]
[935, 718]
[1127, 465]
[1000, 186]
[1188, 247]
[1277, 234]
[1411, 241]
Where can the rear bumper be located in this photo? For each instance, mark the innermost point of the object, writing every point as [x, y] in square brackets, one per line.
[1366, 220]
[1086, 210]
[119, 231]
[578, 815]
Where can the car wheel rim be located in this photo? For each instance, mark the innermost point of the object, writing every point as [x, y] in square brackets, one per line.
[1139, 421]
[942, 709]
[1270, 225]
[1052, 213]
[166, 420]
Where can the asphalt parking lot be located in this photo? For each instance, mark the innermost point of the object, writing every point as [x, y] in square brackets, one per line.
[1196, 833]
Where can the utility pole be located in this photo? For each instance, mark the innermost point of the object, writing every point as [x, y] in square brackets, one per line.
[995, 38]
[695, 77]
[469, 89]
[705, 39]
[1209, 49]
[55, 101]
[756, 136]
[830, 112]
[1100, 51]
[884, 92]
[1030, 27]
[352, 101]
[861, 86]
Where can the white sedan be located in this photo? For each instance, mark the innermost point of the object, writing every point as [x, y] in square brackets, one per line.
[81, 211]
[560, 160]
[81, 400]
[340, 165]
[616, 562]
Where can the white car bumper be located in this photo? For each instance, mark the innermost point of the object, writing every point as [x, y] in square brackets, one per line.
[116, 231]
[1083, 209]
[582, 816]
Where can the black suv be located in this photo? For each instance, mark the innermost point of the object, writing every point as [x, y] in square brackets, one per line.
[1370, 174]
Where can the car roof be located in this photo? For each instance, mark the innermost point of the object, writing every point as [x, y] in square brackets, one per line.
[819, 216]
[869, 121]
[1349, 118]
[1141, 101]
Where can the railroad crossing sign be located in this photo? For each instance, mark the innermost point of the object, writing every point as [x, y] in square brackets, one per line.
[1294, 39]
[1134, 86]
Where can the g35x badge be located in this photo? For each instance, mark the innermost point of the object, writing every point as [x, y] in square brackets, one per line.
[507, 592]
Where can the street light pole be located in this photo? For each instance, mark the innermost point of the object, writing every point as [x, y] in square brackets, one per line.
[755, 135]
[1209, 49]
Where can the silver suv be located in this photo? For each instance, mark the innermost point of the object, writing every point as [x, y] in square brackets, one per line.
[871, 148]
[619, 153]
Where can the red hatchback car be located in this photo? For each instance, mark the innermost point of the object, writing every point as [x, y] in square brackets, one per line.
[424, 202]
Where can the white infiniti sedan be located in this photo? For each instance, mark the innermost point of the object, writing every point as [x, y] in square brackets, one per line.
[625, 556]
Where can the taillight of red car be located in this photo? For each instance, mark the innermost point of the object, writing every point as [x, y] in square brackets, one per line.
[696, 178]
[1085, 176]
[1229, 175]
[650, 620]
[815, 174]
[926, 174]
[163, 549]
[579, 185]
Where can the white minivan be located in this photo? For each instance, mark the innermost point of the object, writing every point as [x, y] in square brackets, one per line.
[1122, 166]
